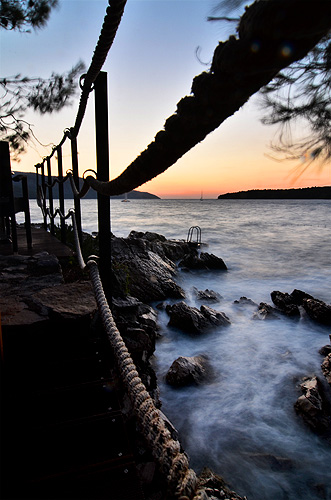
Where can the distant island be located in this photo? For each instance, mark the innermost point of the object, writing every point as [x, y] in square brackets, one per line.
[91, 195]
[312, 193]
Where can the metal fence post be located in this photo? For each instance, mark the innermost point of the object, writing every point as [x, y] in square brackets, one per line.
[50, 194]
[61, 193]
[75, 174]
[102, 151]
[43, 188]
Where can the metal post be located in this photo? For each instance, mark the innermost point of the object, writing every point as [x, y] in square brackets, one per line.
[43, 188]
[50, 194]
[61, 193]
[6, 193]
[75, 174]
[102, 150]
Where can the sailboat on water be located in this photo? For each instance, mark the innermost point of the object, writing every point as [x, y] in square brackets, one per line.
[125, 197]
[201, 197]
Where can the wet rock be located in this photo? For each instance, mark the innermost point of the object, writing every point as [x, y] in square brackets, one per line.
[208, 295]
[245, 301]
[265, 311]
[325, 350]
[318, 311]
[289, 304]
[188, 370]
[142, 273]
[193, 320]
[326, 368]
[172, 249]
[211, 486]
[299, 295]
[285, 302]
[202, 261]
[313, 406]
[138, 342]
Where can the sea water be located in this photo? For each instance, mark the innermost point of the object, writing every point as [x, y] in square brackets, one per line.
[242, 422]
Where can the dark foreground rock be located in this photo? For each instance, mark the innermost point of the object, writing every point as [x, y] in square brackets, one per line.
[142, 273]
[244, 301]
[289, 304]
[203, 261]
[207, 295]
[211, 486]
[326, 368]
[314, 406]
[285, 303]
[188, 370]
[318, 311]
[157, 243]
[192, 320]
[265, 311]
[325, 350]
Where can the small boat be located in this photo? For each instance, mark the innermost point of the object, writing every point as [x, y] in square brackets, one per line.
[125, 197]
[201, 197]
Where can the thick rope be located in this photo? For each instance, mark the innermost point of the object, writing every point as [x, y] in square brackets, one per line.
[182, 480]
[174, 464]
[111, 22]
[240, 68]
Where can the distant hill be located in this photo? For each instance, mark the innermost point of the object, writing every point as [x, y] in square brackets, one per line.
[31, 176]
[312, 193]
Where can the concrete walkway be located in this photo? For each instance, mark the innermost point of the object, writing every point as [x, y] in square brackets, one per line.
[42, 241]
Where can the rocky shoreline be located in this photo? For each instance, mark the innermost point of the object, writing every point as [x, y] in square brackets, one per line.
[37, 293]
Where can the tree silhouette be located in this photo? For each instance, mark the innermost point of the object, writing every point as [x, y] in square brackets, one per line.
[19, 14]
[300, 94]
[20, 93]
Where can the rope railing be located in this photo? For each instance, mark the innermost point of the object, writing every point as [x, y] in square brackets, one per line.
[114, 13]
[173, 463]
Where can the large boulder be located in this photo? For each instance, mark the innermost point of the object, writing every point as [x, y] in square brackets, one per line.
[192, 320]
[285, 303]
[289, 304]
[325, 350]
[326, 368]
[298, 296]
[314, 406]
[188, 370]
[318, 311]
[202, 261]
[157, 243]
[142, 273]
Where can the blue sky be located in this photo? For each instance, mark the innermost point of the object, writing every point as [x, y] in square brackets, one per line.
[150, 68]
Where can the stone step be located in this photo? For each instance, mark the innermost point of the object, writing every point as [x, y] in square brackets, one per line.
[71, 402]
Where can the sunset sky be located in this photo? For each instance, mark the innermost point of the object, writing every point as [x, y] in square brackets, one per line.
[150, 68]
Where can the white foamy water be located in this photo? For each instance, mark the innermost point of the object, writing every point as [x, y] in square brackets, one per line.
[246, 411]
